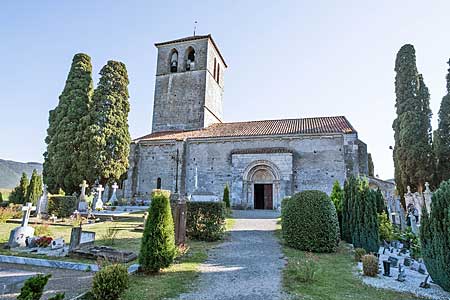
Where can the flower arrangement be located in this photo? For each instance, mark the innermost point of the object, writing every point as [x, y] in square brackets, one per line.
[43, 241]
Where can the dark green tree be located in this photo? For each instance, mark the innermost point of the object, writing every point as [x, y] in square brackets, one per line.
[34, 190]
[370, 165]
[435, 236]
[33, 288]
[65, 163]
[413, 158]
[110, 139]
[1, 197]
[19, 193]
[441, 143]
[158, 240]
[337, 195]
[379, 200]
[349, 198]
[226, 196]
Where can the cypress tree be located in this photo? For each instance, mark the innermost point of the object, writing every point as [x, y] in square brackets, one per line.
[65, 164]
[18, 195]
[435, 236]
[1, 197]
[108, 130]
[158, 240]
[413, 159]
[337, 195]
[350, 194]
[441, 143]
[370, 165]
[226, 196]
[34, 190]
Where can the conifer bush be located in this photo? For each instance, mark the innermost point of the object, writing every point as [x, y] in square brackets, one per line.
[158, 241]
[33, 287]
[110, 282]
[435, 236]
[370, 265]
[226, 196]
[309, 222]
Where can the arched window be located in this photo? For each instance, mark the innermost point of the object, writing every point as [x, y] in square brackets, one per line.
[190, 59]
[158, 183]
[214, 73]
[173, 61]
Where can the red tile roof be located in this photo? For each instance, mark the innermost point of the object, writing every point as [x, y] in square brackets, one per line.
[321, 125]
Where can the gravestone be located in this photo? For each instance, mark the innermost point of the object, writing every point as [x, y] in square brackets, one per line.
[424, 284]
[415, 266]
[42, 204]
[387, 268]
[19, 235]
[393, 260]
[422, 269]
[80, 238]
[180, 222]
[401, 273]
[113, 196]
[82, 204]
[99, 201]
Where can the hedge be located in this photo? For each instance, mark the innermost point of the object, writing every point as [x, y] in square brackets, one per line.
[205, 220]
[309, 222]
[62, 206]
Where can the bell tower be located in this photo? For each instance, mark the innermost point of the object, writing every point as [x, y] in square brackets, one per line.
[189, 84]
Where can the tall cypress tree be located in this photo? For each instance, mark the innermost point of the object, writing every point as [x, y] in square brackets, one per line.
[18, 195]
[337, 195]
[370, 165]
[350, 197]
[108, 131]
[413, 159]
[64, 162]
[34, 190]
[441, 143]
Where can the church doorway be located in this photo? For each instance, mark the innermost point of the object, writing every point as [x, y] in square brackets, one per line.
[263, 196]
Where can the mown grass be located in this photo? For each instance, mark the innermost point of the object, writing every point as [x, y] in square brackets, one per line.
[334, 280]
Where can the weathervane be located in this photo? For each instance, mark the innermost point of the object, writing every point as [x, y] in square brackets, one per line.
[195, 26]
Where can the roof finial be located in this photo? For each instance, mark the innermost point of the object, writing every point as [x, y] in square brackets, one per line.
[195, 26]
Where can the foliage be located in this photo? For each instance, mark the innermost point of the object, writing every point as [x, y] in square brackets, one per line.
[66, 162]
[370, 265]
[441, 142]
[158, 241]
[359, 253]
[205, 221]
[34, 190]
[109, 138]
[370, 165]
[62, 206]
[381, 205]
[413, 156]
[6, 213]
[43, 229]
[360, 221]
[435, 236]
[33, 287]
[110, 235]
[309, 222]
[59, 296]
[385, 229]
[304, 270]
[1, 197]
[18, 194]
[337, 195]
[110, 282]
[226, 196]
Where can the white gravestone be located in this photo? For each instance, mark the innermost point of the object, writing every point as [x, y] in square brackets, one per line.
[82, 205]
[57, 244]
[18, 235]
[99, 202]
[42, 203]
[113, 196]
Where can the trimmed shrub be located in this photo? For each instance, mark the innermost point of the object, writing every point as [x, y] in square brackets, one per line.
[62, 206]
[33, 287]
[359, 253]
[309, 222]
[205, 220]
[435, 236]
[110, 282]
[158, 241]
[385, 229]
[226, 196]
[370, 265]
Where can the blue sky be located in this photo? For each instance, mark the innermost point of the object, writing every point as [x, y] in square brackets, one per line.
[286, 59]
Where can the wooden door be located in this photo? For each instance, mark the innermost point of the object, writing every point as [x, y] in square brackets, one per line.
[268, 202]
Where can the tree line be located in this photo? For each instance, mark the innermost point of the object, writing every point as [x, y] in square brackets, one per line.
[88, 136]
[27, 191]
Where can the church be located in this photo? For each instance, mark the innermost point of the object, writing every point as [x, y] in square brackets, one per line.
[192, 151]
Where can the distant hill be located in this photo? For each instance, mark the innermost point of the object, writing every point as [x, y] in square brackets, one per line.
[11, 171]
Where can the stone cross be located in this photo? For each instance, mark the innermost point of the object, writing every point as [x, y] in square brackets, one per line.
[114, 196]
[27, 211]
[83, 187]
[99, 202]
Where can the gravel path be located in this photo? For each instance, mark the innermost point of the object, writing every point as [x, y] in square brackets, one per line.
[247, 266]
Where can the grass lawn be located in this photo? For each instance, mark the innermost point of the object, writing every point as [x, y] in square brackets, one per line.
[335, 279]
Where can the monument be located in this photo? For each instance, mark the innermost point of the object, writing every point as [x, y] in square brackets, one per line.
[42, 204]
[113, 196]
[99, 202]
[18, 235]
[82, 204]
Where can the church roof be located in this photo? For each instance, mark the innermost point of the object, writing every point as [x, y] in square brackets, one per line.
[320, 125]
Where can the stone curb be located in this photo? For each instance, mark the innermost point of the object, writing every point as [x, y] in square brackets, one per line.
[48, 263]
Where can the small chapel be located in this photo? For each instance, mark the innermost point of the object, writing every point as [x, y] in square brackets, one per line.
[193, 152]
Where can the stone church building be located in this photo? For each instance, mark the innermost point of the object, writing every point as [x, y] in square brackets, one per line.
[192, 151]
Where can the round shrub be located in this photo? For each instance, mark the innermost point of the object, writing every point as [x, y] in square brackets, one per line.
[370, 265]
[359, 253]
[309, 222]
[110, 282]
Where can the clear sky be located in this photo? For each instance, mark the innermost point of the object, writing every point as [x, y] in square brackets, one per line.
[286, 59]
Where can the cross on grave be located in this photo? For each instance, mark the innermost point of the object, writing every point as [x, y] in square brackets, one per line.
[19, 235]
[99, 202]
[83, 187]
[113, 196]
[27, 211]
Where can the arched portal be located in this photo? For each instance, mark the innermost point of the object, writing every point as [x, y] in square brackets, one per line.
[262, 183]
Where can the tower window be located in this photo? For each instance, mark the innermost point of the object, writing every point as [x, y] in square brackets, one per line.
[190, 61]
[214, 73]
[218, 73]
[174, 61]
[158, 183]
